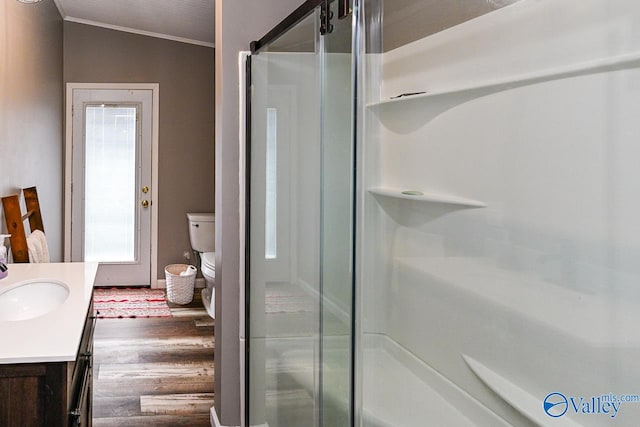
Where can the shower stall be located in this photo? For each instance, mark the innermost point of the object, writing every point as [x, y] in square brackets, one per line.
[443, 215]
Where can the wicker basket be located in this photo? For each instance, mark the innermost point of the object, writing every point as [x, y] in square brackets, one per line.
[180, 288]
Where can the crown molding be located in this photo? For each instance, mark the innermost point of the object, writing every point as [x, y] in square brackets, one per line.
[134, 31]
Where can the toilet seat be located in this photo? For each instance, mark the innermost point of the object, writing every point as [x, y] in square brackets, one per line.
[208, 265]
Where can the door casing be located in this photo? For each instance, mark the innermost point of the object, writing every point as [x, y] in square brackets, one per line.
[155, 88]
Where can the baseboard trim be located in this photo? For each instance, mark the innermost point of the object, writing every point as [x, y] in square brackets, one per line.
[215, 422]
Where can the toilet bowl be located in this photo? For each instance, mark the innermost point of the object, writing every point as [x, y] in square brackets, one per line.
[208, 268]
[202, 237]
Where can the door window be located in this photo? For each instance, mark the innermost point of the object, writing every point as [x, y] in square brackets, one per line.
[110, 173]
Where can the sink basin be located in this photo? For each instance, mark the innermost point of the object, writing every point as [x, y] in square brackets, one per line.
[31, 298]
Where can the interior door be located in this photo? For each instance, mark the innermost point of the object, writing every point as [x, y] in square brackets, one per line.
[111, 183]
[299, 283]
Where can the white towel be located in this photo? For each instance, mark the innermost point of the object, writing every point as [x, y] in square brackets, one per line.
[38, 248]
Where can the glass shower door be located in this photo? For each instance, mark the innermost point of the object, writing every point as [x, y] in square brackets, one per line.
[299, 284]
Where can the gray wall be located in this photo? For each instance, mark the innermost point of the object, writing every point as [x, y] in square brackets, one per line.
[406, 21]
[186, 151]
[31, 98]
[238, 22]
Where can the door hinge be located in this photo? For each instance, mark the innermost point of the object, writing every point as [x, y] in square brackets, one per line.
[326, 15]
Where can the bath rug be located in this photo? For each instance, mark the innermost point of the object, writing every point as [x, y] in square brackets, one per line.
[283, 297]
[289, 304]
[120, 303]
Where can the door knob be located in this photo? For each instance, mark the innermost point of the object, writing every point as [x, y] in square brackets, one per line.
[145, 203]
[145, 189]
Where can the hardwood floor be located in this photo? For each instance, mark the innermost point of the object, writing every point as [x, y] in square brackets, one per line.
[154, 372]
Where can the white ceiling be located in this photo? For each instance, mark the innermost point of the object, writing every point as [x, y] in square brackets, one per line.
[190, 21]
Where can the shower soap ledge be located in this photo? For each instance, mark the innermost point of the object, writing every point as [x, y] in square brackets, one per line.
[520, 399]
[426, 197]
[469, 92]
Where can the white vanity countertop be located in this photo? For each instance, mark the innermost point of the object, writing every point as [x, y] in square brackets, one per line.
[54, 336]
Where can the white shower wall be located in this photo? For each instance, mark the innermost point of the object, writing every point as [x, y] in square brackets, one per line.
[529, 284]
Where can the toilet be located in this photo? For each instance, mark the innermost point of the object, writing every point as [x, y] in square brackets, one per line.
[202, 237]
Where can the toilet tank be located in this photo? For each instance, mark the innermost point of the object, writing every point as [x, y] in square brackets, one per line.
[202, 227]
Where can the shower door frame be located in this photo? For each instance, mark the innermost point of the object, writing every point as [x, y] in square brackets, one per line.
[299, 14]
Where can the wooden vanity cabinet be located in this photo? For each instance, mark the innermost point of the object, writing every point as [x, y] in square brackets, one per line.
[54, 394]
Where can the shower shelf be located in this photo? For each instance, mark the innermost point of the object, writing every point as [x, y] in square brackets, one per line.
[459, 95]
[522, 400]
[446, 199]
